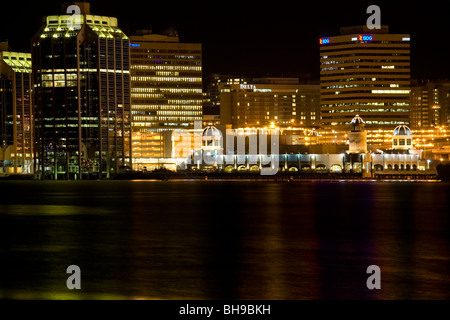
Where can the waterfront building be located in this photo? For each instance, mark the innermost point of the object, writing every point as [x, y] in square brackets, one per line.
[402, 138]
[365, 72]
[16, 140]
[270, 102]
[217, 152]
[81, 68]
[166, 91]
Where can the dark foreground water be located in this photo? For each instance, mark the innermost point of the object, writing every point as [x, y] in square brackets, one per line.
[224, 240]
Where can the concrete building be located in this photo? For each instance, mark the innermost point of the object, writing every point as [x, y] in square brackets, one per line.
[166, 91]
[365, 72]
[430, 104]
[270, 102]
[212, 105]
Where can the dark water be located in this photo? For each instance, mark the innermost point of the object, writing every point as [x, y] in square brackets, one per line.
[224, 240]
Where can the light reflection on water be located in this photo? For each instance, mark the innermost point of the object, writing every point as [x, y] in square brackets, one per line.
[224, 240]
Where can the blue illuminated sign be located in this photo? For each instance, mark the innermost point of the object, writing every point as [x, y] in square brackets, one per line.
[134, 45]
[324, 41]
[365, 38]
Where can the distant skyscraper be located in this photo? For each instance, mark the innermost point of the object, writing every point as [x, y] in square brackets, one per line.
[166, 94]
[365, 72]
[283, 102]
[15, 111]
[82, 96]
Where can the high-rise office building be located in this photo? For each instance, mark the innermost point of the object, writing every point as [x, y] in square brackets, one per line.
[15, 111]
[213, 90]
[365, 72]
[166, 91]
[265, 102]
[430, 104]
[444, 103]
[81, 68]
[211, 103]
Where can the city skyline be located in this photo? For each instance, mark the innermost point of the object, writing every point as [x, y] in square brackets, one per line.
[319, 171]
[97, 88]
[258, 40]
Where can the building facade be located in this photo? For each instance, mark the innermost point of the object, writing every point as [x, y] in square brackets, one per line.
[166, 91]
[357, 136]
[365, 72]
[212, 106]
[16, 126]
[242, 150]
[82, 109]
[265, 102]
[430, 104]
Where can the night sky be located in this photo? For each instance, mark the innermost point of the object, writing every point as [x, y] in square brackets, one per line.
[257, 38]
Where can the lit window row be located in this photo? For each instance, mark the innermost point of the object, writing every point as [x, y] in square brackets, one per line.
[179, 113]
[395, 104]
[371, 61]
[166, 107]
[72, 76]
[186, 57]
[166, 113]
[166, 79]
[137, 141]
[146, 95]
[166, 67]
[144, 124]
[167, 74]
[166, 90]
[157, 124]
[362, 85]
[179, 118]
[136, 150]
[144, 118]
[199, 102]
[391, 91]
[366, 110]
[59, 84]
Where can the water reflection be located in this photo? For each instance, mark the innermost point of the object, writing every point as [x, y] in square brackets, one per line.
[224, 240]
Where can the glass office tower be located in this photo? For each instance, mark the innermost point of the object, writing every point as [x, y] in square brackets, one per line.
[15, 112]
[81, 69]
